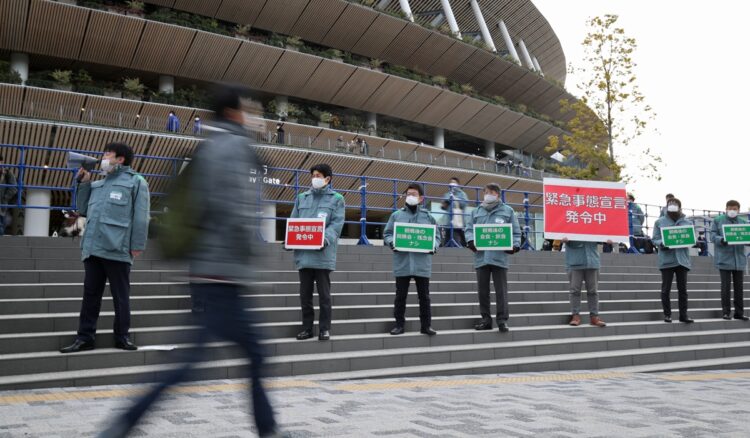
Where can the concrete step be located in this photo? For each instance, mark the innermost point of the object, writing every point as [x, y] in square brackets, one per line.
[285, 322]
[348, 305]
[15, 343]
[75, 290]
[429, 361]
[374, 351]
[519, 301]
[721, 363]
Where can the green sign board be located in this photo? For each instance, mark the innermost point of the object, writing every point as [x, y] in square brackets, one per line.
[682, 236]
[493, 237]
[737, 234]
[414, 237]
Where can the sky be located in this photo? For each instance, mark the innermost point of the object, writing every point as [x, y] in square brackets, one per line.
[692, 69]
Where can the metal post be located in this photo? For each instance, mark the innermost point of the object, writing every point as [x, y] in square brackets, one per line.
[631, 236]
[22, 162]
[395, 195]
[526, 219]
[363, 214]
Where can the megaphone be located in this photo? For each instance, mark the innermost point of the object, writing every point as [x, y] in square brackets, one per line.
[76, 161]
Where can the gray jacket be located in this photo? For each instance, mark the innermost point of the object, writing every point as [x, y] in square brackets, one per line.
[225, 189]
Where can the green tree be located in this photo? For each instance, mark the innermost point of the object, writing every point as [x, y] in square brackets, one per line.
[609, 90]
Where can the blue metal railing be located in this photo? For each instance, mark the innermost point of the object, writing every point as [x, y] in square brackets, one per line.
[532, 231]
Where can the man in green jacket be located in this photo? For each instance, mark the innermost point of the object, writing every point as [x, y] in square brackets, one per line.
[117, 214]
[408, 265]
[673, 262]
[315, 267]
[583, 261]
[731, 261]
[493, 264]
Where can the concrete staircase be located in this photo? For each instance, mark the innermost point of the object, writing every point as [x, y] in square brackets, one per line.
[41, 288]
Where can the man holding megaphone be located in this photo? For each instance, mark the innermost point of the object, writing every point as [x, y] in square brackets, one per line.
[117, 213]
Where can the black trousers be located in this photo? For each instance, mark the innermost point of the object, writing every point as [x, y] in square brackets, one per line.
[308, 278]
[500, 279]
[667, 275]
[98, 271]
[224, 318]
[423, 293]
[727, 278]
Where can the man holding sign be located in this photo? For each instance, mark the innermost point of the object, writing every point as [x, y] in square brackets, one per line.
[411, 234]
[492, 234]
[730, 234]
[315, 265]
[674, 235]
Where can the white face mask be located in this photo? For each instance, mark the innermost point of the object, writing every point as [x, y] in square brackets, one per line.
[732, 213]
[490, 198]
[453, 185]
[318, 183]
[673, 208]
[412, 200]
[106, 166]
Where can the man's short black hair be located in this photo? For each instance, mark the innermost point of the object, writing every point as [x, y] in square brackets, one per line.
[417, 187]
[456, 180]
[121, 150]
[495, 187]
[322, 168]
[676, 201]
[670, 196]
[730, 203]
[223, 98]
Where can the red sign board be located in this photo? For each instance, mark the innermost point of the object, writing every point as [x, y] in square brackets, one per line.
[592, 211]
[305, 233]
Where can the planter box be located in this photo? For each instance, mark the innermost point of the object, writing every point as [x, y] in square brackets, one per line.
[324, 124]
[112, 93]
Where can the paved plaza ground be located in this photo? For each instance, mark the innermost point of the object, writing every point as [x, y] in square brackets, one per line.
[575, 404]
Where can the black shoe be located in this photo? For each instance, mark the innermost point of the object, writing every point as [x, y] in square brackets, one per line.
[398, 330]
[484, 325]
[324, 335]
[428, 331]
[726, 316]
[76, 346]
[667, 318]
[503, 327]
[686, 320]
[125, 344]
[304, 334]
[740, 317]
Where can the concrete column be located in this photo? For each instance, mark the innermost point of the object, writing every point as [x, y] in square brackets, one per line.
[407, 9]
[19, 62]
[536, 65]
[508, 41]
[525, 55]
[489, 149]
[282, 105]
[372, 123]
[439, 138]
[166, 84]
[268, 226]
[483, 25]
[36, 222]
[448, 11]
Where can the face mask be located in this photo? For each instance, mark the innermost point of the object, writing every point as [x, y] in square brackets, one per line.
[318, 183]
[453, 185]
[673, 208]
[106, 166]
[412, 200]
[489, 199]
[732, 214]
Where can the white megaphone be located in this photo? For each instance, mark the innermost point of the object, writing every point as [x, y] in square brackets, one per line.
[77, 161]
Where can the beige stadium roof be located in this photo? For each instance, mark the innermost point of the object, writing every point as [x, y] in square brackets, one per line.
[264, 68]
[365, 31]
